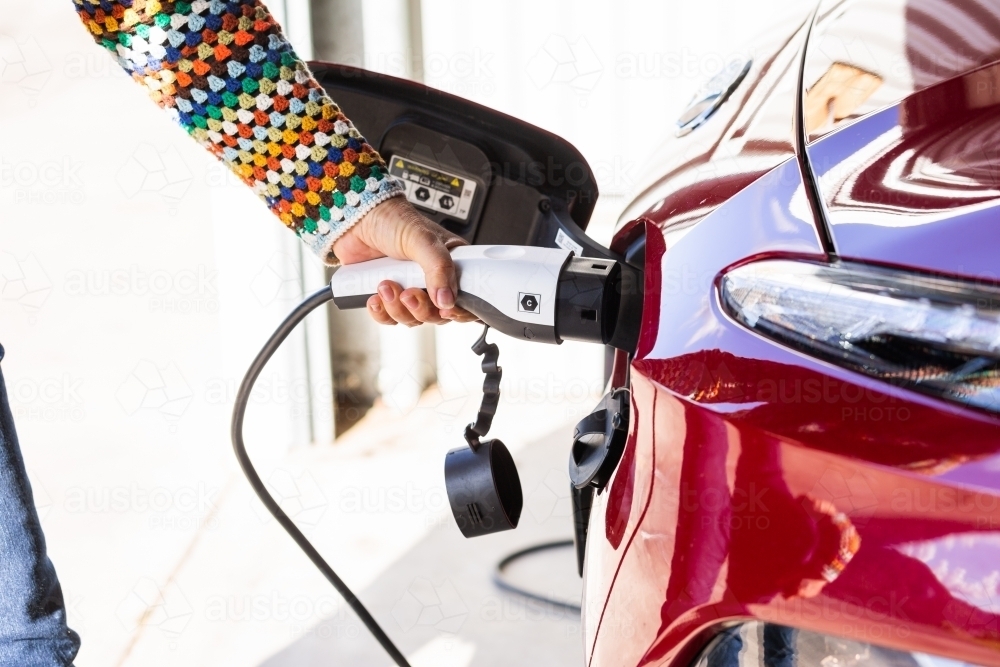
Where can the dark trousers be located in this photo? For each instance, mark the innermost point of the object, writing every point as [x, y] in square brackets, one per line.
[33, 631]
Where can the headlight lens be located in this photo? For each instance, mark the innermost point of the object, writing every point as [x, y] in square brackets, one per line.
[937, 335]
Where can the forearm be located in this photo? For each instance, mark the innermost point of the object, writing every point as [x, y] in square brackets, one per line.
[225, 73]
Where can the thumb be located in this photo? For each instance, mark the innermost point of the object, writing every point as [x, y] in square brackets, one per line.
[430, 251]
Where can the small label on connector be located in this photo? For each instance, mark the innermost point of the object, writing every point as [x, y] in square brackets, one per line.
[566, 243]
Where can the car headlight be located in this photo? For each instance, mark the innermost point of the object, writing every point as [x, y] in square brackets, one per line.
[755, 643]
[940, 336]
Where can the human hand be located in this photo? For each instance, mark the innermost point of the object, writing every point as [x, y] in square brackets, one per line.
[395, 229]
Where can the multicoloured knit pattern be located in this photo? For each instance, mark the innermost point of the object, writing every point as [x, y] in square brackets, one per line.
[224, 71]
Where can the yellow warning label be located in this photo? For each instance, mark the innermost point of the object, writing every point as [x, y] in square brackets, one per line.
[432, 188]
[429, 177]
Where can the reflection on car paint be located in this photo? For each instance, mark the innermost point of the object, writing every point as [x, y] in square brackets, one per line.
[908, 45]
[917, 184]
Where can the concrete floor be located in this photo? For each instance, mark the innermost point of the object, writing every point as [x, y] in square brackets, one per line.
[438, 602]
[241, 593]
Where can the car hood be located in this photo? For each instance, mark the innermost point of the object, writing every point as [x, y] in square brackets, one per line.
[900, 109]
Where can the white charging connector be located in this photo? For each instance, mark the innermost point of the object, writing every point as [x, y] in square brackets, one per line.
[544, 295]
[511, 288]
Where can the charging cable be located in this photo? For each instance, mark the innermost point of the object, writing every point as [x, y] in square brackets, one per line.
[504, 584]
[242, 398]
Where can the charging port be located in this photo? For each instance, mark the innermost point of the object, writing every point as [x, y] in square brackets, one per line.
[585, 294]
[595, 302]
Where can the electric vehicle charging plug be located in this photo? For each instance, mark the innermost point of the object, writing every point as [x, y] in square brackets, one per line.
[540, 294]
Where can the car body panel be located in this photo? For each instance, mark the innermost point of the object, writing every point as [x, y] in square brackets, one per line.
[759, 482]
[765, 461]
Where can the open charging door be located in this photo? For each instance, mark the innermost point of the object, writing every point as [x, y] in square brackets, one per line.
[481, 174]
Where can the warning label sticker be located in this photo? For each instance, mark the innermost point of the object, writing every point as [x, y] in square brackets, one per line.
[432, 188]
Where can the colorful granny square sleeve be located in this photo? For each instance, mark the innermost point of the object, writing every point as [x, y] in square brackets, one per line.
[224, 71]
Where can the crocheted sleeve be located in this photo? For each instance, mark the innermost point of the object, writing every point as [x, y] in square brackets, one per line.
[224, 71]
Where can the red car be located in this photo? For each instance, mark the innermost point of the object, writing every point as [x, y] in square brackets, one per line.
[812, 471]
[814, 437]
[808, 471]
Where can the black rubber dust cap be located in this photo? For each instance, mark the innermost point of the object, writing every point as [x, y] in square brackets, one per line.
[483, 488]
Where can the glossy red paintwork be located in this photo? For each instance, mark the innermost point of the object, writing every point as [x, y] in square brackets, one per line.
[743, 451]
